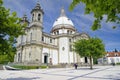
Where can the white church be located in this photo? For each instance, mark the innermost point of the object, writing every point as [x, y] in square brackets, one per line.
[38, 47]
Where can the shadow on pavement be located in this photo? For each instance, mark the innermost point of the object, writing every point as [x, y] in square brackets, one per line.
[21, 78]
[86, 68]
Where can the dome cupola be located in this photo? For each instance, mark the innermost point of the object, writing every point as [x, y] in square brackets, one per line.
[62, 22]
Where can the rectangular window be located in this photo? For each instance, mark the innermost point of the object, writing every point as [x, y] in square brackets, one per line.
[70, 47]
[42, 38]
[69, 40]
[50, 40]
[30, 36]
[57, 32]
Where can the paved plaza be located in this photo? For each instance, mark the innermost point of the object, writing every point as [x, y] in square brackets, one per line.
[82, 73]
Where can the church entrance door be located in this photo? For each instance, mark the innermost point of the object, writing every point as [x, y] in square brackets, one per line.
[45, 59]
[86, 61]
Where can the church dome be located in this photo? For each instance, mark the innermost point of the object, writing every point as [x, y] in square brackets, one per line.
[63, 22]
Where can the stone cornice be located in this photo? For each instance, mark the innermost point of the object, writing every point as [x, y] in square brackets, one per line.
[37, 44]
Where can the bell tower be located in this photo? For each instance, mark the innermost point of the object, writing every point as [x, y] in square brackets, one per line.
[37, 13]
[36, 25]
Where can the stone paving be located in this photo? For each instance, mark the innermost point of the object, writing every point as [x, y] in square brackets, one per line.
[82, 73]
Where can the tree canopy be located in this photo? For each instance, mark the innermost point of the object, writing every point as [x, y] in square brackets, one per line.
[92, 48]
[10, 29]
[110, 8]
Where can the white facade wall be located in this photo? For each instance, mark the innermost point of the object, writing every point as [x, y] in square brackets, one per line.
[82, 60]
[54, 56]
[24, 38]
[113, 59]
[72, 57]
[63, 50]
[45, 51]
[17, 55]
[60, 31]
[27, 54]
[56, 41]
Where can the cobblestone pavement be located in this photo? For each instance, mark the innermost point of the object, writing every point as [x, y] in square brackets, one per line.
[82, 73]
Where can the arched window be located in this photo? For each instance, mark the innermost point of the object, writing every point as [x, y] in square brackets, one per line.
[54, 33]
[63, 48]
[50, 40]
[38, 17]
[67, 31]
[19, 57]
[57, 32]
[70, 32]
[70, 40]
[32, 16]
[30, 36]
[70, 47]
[42, 38]
[29, 55]
[116, 54]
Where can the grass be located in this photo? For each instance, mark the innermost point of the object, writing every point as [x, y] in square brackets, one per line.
[29, 67]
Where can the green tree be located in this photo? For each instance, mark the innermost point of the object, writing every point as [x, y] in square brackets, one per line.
[91, 48]
[110, 8]
[10, 29]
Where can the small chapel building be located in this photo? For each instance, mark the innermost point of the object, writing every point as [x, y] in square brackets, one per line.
[38, 47]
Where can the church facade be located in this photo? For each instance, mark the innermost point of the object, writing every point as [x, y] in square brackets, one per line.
[38, 47]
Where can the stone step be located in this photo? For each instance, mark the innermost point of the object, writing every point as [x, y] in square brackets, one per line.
[1, 67]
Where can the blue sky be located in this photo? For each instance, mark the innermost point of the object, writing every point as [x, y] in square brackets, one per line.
[110, 37]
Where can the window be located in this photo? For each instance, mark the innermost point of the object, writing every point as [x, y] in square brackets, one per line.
[70, 47]
[57, 32]
[32, 17]
[69, 40]
[38, 17]
[50, 40]
[68, 31]
[42, 38]
[29, 55]
[63, 48]
[68, 19]
[54, 33]
[19, 57]
[30, 36]
[116, 54]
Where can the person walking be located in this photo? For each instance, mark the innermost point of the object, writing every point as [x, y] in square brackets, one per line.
[75, 65]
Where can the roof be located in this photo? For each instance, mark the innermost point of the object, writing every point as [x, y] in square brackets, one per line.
[113, 54]
[63, 19]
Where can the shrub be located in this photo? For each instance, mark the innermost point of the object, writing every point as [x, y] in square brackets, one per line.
[118, 63]
[29, 67]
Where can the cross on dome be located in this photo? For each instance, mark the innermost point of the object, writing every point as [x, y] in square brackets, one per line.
[62, 12]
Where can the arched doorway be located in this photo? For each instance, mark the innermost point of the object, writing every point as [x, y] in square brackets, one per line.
[45, 58]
